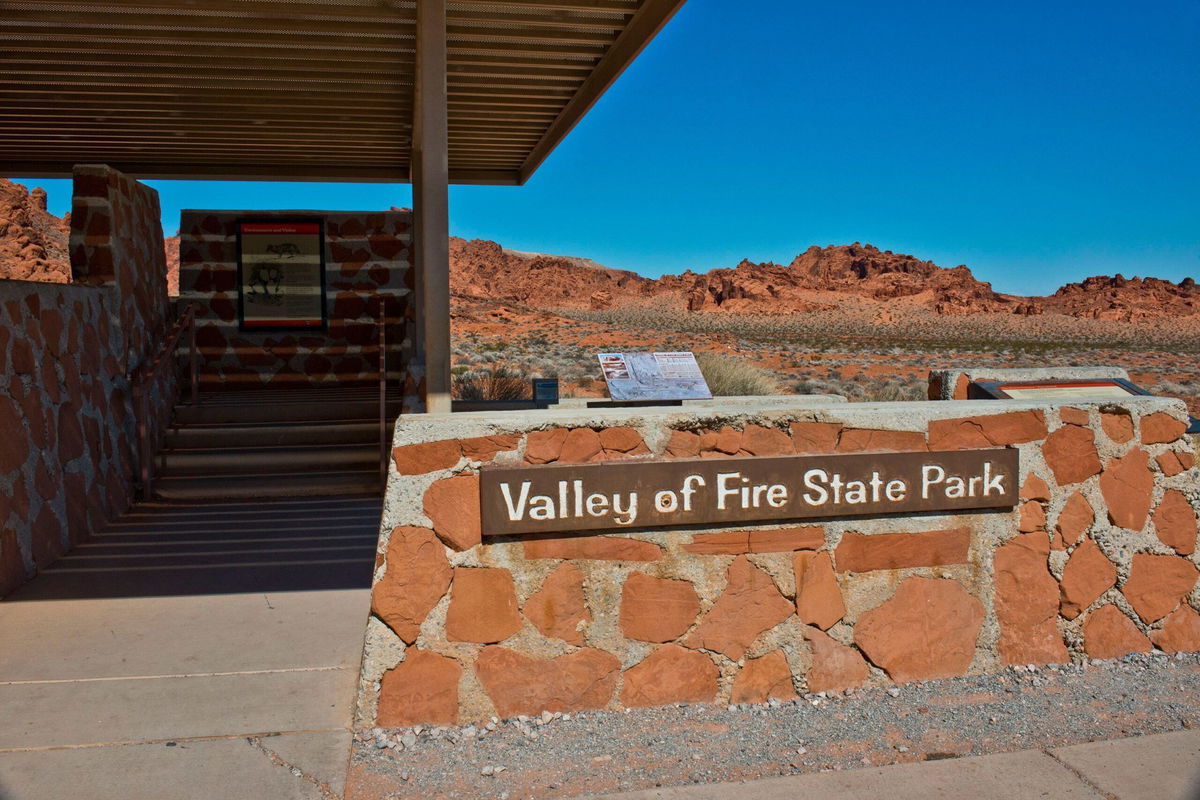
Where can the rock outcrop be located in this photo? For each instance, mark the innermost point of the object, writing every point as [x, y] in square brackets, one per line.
[33, 242]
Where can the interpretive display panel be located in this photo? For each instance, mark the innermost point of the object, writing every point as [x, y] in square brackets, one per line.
[653, 376]
[281, 275]
[604, 496]
[1057, 390]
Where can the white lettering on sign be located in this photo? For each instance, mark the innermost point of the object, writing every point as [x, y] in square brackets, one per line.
[650, 493]
[571, 503]
[958, 486]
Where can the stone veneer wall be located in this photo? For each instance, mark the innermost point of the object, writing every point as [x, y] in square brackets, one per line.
[67, 354]
[366, 254]
[1098, 561]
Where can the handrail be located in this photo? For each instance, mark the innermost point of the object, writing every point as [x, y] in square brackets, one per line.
[149, 372]
[380, 318]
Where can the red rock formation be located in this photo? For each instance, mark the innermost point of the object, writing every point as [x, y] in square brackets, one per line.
[1125, 299]
[33, 242]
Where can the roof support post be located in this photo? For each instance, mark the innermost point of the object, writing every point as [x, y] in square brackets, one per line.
[431, 216]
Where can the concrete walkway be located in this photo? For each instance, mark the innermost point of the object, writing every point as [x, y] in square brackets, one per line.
[1164, 766]
[190, 652]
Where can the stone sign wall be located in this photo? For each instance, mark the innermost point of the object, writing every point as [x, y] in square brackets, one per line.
[1097, 560]
[67, 353]
[366, 254]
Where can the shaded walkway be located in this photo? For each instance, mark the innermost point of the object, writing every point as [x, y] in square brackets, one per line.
[193, 651]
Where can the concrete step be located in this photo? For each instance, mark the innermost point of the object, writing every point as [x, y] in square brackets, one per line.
[276, 411]
[268, 460]
[259, 486]
[264, 434]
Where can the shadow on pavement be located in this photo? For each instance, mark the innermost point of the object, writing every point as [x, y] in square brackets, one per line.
[220, 547]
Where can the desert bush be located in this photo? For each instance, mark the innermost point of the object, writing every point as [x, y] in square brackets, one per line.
[492, 382]
[729, 376]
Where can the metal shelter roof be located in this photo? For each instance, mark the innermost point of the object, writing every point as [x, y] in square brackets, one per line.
[300, 90]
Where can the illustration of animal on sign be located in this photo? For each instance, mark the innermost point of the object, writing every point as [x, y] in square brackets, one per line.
[284, 250]
[268, 277]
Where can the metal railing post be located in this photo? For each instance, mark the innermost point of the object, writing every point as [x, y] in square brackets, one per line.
[139, 393]
[194, 356]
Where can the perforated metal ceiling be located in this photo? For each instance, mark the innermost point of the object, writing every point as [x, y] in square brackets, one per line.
[274, 89]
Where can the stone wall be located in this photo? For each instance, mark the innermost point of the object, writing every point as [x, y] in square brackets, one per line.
[67, 354]
[366, 254]
[1098, 560]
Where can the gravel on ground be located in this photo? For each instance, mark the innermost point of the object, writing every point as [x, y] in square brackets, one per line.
[594, 752]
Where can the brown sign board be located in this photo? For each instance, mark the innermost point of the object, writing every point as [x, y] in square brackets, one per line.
[623, 495]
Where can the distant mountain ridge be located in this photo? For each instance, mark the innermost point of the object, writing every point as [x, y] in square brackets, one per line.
[820, 278]
[34, 246]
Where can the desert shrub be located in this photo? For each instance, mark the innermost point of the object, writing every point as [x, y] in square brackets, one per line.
[895, 390]
[492, 382]
[728, 376]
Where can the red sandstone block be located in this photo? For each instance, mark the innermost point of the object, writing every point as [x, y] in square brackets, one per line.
[683, 444]
[453, 505]
[670, 674]
[757, 541]
[542, 447]
[750, 605]
[818, 597]
[1127, 485]
[1074, 416]
[993, 430]
[657, 609]
[760, 441]
[1161, 428]
[927, 630]
[483, 606]
[558, 608]
[815, 437]
[593, 548]
[485, 448]
[763, 678]
[856, 440]
[518, 684]
[1158, 584]
[835, 666]
[1175, 522]
[1173, 462]
[1107, 633]
[859, 552]
[1117, 426]
[421, 690]
[417, 576]
[1071, 454]
[423, 457]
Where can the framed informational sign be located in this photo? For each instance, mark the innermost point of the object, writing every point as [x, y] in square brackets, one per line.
[1056, 390]
[653, 376]
[281, 275]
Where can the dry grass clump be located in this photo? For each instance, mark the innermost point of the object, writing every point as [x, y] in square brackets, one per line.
[492, 382]
[728, 376]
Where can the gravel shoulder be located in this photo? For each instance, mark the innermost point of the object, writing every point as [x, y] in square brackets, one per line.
[597, 752]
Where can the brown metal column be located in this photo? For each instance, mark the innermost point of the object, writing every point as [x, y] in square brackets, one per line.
[431, 217]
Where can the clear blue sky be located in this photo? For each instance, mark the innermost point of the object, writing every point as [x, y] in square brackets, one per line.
[1036, 142]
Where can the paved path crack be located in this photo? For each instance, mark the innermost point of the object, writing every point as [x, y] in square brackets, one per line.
[1084, 779]
[323, 787]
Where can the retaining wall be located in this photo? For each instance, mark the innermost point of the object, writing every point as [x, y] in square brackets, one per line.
[366, 254]
[67, 355]
[1098, 560]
